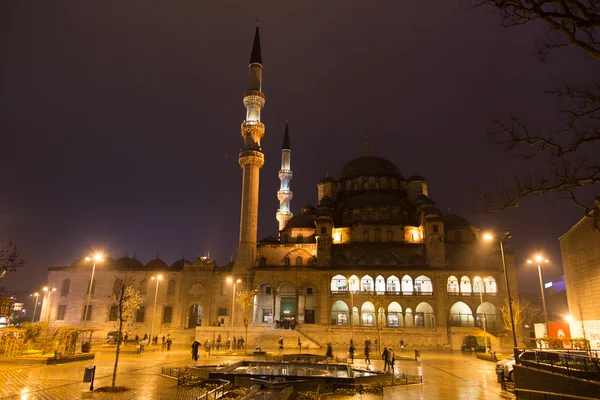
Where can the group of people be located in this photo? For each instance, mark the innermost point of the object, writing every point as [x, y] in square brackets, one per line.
[166, 340]
[286, 323]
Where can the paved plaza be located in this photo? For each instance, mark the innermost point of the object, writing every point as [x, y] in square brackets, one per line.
[446, 375]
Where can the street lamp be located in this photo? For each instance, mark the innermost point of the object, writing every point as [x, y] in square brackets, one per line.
[37, 297]
[539, 259]
[506, 235]
[157, 278]
[351, 284]
[95, 258]
[230, 280]
[49, 290]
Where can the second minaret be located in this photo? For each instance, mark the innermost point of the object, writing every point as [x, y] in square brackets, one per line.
[285, 176]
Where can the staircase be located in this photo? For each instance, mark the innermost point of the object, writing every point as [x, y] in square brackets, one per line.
[306, 338]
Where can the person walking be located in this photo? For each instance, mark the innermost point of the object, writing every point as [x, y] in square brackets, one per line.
[219, 342]
[163, 342]
[329, 353]
[299, 345]
[241, 343]
[384, 357]
[195, 347]
[401, 345]
[169, 343]
[280, 343]
[234, 343]
[392, 359]
[367, 351]
[351, 352]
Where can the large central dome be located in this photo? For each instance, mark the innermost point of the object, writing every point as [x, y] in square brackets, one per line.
[369, 166]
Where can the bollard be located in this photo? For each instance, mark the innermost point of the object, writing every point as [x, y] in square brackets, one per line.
[417, 354]
[89, 374]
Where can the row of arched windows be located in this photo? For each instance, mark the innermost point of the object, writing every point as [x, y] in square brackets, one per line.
[66, 286]
[393, 316]
[288, 261]
[468, 286]
[391, 285]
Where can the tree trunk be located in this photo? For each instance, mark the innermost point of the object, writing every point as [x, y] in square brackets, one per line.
[114, 378]
[246, 340]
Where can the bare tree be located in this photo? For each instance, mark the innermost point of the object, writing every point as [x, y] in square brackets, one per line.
[377, 301]
[9, 257]
[245, 299]
[524, 312]
[128, 300]
[569, 150]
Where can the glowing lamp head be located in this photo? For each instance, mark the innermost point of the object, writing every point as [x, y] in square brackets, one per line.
[229, 280]
[45, 288]
[539, 258]
[488, 237]
[98, 257]
[36, 294]
[158, 277]
[568, 318]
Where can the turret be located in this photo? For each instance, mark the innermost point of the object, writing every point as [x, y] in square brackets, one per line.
[326, 188]
[415, 186]
[285, 176]
[251, 159]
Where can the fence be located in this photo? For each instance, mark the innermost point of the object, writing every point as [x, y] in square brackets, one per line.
[216, 393]
[570, 363]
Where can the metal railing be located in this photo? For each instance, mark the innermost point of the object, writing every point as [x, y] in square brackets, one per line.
[217, 392]
[575, 364]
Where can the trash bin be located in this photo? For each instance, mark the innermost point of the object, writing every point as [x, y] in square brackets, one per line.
[57, 355]
[87, 373]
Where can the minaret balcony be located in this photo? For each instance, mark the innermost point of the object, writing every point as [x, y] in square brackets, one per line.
[250, 93]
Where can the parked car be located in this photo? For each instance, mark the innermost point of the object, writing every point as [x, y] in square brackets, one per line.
[111, 337]
[473, 343]
[506, 365]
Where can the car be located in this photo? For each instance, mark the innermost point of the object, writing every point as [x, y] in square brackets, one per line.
[111, 337]
[506, 365]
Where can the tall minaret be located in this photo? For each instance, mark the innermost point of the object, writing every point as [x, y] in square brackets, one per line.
[285, 176]
[251, 159]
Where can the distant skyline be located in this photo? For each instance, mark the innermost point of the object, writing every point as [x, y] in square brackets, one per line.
[121, 120]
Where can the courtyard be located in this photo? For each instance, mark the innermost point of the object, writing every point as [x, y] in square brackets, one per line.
[446, 375]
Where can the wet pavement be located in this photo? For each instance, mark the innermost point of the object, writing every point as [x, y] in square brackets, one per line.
[446, 375]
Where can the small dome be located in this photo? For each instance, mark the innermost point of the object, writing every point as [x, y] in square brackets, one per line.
[454, 220]
[370, 166]
[83, 263]
[415, 178]
[179, 263]
[129, 263]
[301, 221]
[157, 263]
[270, 239]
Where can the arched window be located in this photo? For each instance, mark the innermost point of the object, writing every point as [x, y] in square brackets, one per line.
[395, 317]
[380, 285]
[300, 238]
[453, 285]
[143, 287]
[339, 284]
[66, 286]
[378, 235]
[389, 236]
[393, 285]
[93, 287]
[460, 315]
[354, 284]
[409, 322]
[465, 286]
[367, 314]
[407, 285]
[366, 284]
[171, 287]
[117, 286]
[490, 285]
[365, 236]
[262, 261]
[424, 316]
[298, 260]
[286, 261]
[488, 314]
[339, 313]
[423, 285]
[477, 284]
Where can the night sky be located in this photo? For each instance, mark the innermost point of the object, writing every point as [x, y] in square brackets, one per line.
[120, 121]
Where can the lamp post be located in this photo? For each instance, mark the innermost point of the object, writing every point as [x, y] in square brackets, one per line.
[37, 298]
[157, 278]
[95, 258]
[481, 283]
[49, 290]
[230, 280]
[539, 259]
[506, 235]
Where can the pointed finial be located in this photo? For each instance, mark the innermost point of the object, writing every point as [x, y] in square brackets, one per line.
[286, 137]
[367, 152]
[257, 22]
[256, 56]
[157, 255]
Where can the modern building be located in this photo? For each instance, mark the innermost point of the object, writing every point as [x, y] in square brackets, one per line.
[580, 249]
[375, 250]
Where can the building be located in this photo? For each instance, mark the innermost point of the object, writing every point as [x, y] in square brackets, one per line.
[580, 250]
[374, 251]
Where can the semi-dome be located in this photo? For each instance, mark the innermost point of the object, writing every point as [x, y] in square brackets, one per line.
[370, 166]
[454, 220]
[301, 221]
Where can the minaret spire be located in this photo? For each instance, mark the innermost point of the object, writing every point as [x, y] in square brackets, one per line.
[251, 159]
[285, 176]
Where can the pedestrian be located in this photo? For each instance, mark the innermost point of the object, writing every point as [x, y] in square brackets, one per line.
[401, 345]
[241, 342]
[329, 353]
[299, 345]
[195, 346]
[234, 342]
[219, 342]
[392, 358]
[280, 343]
[384, 357]
[156, 340]
[163, 342]
[351, 352]
[169, 343]
[126, 337]
[367, 352]
[137, 339]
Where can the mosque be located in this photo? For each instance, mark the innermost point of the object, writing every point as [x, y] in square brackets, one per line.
[375, 252]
